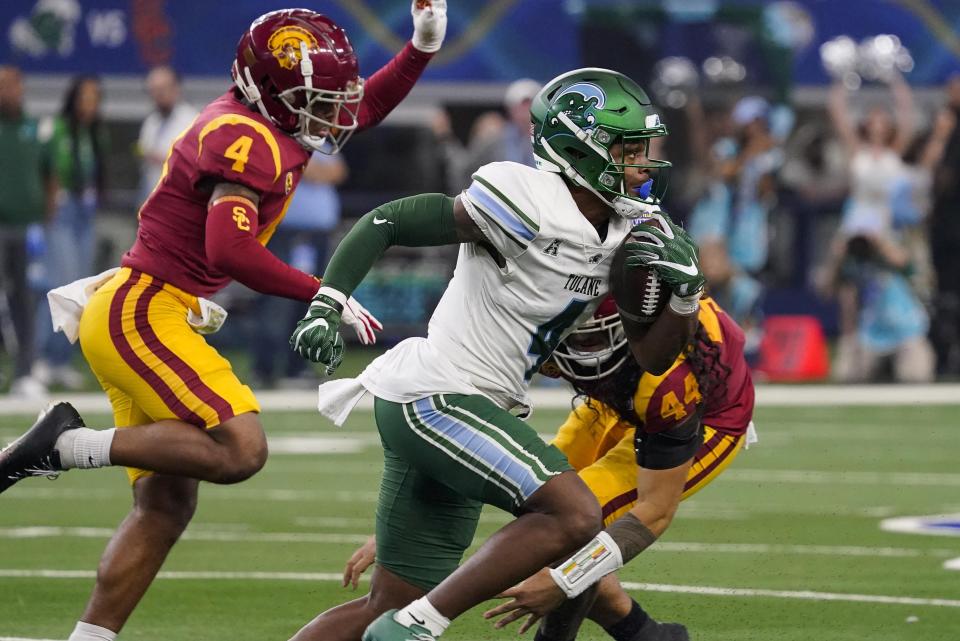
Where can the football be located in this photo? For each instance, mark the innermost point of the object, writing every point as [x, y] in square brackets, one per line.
[638, 292]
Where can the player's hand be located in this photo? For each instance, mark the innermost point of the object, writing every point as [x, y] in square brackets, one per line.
[316, 336]
[532, 598]
[660, 244]
[429, 24]
[362, 558]
[363, 322]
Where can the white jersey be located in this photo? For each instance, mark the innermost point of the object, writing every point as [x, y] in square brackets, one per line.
[541, 272]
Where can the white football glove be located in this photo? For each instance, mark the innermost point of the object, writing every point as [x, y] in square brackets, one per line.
[363, 322]
[429, 24]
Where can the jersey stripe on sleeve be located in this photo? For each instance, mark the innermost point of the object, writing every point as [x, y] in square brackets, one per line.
[502, 211]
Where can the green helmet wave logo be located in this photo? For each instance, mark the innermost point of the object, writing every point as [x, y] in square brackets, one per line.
[583, 121]
[583, 98]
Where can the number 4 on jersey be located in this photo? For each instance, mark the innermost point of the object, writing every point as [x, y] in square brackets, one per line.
[239, 153]
[548, 335]
[671, 407]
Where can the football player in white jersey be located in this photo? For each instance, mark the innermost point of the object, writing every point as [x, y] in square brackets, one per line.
[536, 249]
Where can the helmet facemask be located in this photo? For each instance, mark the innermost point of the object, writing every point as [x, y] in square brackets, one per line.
[334, 112]
[594, 350]
[633, 152]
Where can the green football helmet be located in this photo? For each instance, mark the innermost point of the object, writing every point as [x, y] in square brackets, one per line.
[579, 116]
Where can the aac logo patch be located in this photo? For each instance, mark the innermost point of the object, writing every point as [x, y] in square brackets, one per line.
[288, 183]
[551, 249]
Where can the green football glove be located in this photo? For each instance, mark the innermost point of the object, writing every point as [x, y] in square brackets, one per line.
[668, 249]
[317, 336]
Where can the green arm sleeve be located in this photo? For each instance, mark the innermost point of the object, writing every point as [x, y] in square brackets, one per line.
[417, 221]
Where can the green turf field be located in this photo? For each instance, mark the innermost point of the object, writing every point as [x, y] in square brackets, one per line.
[798, 513]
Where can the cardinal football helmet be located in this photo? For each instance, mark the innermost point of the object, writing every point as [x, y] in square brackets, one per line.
[300, 71]
[595, 349]
[579, 117]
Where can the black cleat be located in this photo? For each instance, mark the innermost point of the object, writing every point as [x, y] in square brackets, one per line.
[33, 454]
[654, 631]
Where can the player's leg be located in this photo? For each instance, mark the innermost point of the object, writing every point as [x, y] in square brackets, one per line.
[558, 518]
[162, 508]
[714, 456]
[166, 385]
[623, 618]
[485, 453]
[611, 476]
[423, 528]
[587, 435]
[348, 621]
[614, 610]
[229, 453]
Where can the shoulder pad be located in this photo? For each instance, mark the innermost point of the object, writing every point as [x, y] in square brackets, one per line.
[239, 149]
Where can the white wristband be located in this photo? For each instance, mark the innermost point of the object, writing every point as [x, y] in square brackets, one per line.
[335, 294]
[686, 305]
[589, 564]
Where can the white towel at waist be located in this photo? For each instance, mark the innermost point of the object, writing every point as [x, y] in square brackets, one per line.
[337, 398]
[67, 302]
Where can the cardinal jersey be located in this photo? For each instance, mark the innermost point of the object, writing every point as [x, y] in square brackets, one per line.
[227, 142]
[541, 271]
[663, 401]
[601, 447]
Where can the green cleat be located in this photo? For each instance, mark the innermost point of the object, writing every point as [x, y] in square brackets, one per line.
[386, 628]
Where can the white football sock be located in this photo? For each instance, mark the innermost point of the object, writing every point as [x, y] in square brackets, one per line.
[90, 632]
[85, 448]
[423, 613]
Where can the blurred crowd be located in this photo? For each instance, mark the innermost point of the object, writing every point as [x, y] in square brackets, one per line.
[856, 209]
[853, 209]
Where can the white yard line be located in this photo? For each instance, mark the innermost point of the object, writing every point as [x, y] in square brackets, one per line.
[820, 477]
[707, 547]
[559, 398]
[806, 595]
[209, 493]
[39, 532]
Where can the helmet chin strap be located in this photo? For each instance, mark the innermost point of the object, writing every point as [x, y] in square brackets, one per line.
[306, 65]
[250, 90]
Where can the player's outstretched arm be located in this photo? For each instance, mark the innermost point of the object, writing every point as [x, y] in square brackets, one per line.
[385, 89]
[426, 220]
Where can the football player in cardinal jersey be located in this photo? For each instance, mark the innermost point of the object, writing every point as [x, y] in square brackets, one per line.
[642, 442]
[181, 414]
[536, 249]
